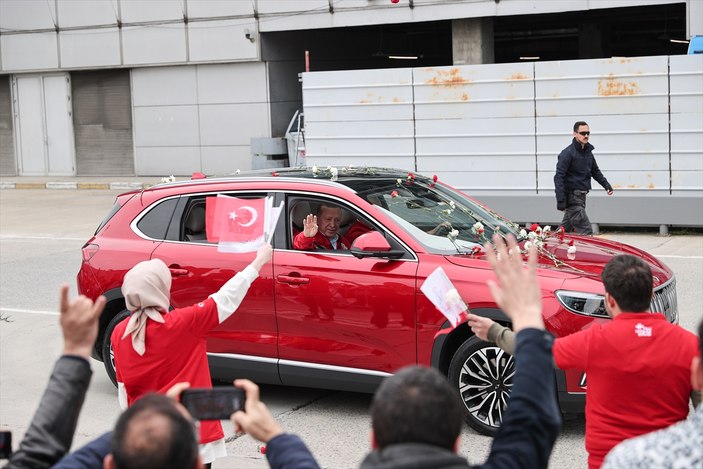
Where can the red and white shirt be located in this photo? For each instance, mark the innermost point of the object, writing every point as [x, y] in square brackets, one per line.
[638, 369]
[175, 352]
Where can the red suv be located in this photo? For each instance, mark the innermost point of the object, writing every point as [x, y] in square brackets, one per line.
[346, 319]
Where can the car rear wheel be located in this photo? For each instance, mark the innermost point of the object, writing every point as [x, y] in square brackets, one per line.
[483, 374]
[108, 355]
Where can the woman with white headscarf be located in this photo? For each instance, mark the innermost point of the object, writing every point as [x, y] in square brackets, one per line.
[156, 349]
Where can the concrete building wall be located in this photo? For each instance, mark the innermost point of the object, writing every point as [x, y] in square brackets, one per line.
[202, 121]
[43, 35]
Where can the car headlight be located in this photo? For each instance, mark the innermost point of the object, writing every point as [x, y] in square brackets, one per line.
[588, 304]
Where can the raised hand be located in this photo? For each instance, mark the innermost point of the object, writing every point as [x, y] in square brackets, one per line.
[310, 226]
[263, 255]
[517, 291]
[479, 325]
[79, 323]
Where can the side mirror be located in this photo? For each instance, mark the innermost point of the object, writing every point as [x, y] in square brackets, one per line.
[373, 244]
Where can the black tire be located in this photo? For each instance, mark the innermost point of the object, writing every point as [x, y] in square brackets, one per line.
[483, 375]
[108, 356]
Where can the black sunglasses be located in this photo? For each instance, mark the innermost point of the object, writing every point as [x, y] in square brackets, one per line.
[584, 133]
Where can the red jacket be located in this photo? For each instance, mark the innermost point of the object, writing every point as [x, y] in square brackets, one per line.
[320, 241]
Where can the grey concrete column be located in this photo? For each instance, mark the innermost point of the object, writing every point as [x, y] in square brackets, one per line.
[591, 40]
[472, 41]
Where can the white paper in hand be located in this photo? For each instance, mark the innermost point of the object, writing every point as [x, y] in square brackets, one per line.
[441, 292]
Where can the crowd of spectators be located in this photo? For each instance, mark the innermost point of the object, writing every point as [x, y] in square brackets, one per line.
[415, 414]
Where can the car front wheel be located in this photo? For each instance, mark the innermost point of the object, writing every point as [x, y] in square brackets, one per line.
[108, 354]
[483, 374]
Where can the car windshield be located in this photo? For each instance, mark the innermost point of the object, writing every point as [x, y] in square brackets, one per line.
[442, 219]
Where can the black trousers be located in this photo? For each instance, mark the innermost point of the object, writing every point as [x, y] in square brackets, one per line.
[575, 219]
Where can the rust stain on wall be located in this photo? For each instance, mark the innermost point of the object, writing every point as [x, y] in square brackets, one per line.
[448, 77]
[611, 86]
[518, 76]
[651, 185]
[371, 98]
[464, 97]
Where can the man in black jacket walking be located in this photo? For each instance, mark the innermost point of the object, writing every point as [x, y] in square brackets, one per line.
[575, 168]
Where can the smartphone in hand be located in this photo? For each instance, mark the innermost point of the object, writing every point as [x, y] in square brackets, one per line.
[217, 403]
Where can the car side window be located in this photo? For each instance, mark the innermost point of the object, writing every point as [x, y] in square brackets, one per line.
[194, 222]
[351, 224]
[155, 222]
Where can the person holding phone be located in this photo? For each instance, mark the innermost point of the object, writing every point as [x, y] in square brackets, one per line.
[155, 348]
[576, 166]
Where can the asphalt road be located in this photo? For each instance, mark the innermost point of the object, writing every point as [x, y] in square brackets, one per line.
[41, 233]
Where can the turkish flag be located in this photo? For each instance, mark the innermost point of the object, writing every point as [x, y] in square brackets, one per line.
[236, 224]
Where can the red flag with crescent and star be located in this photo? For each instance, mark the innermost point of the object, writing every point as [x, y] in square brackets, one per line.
[237, 225]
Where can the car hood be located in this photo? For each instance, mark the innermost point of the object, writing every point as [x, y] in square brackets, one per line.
[588, 261]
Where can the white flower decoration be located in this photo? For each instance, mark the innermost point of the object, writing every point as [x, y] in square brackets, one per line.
[531, 235]
[571, 253]
[477, 228]
[452, 204]
[547, 229]
[170, 178]
[453, 234]
[522, 233]
[335, 173]
[315, 170]
[528, 245]
[399, 181]
[237, 172]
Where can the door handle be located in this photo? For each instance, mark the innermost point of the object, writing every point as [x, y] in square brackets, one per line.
[178, 272]
[293, 280]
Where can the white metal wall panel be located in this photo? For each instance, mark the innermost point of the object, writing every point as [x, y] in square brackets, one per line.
[686, 122]
[223, 40]
[358, 96]
[209, 8]
[618, 86]
[286, 6]
[36, 51]
[624, 101]
[393, 137]
[207, 114]
[223, 160]
[166, 126]
[172, 160]
[21, 14]
[474, 91]
[345, 108]
[151, 10]
[232, 83]
[628, 149]
[90, 48]
[76, 13]
[160, 44]
[232, 124]
[30, 125]
[164, 86]
[59, 125]
[479, 121]
[629, 183]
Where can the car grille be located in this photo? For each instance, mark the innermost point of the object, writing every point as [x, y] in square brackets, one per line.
[664, 301]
